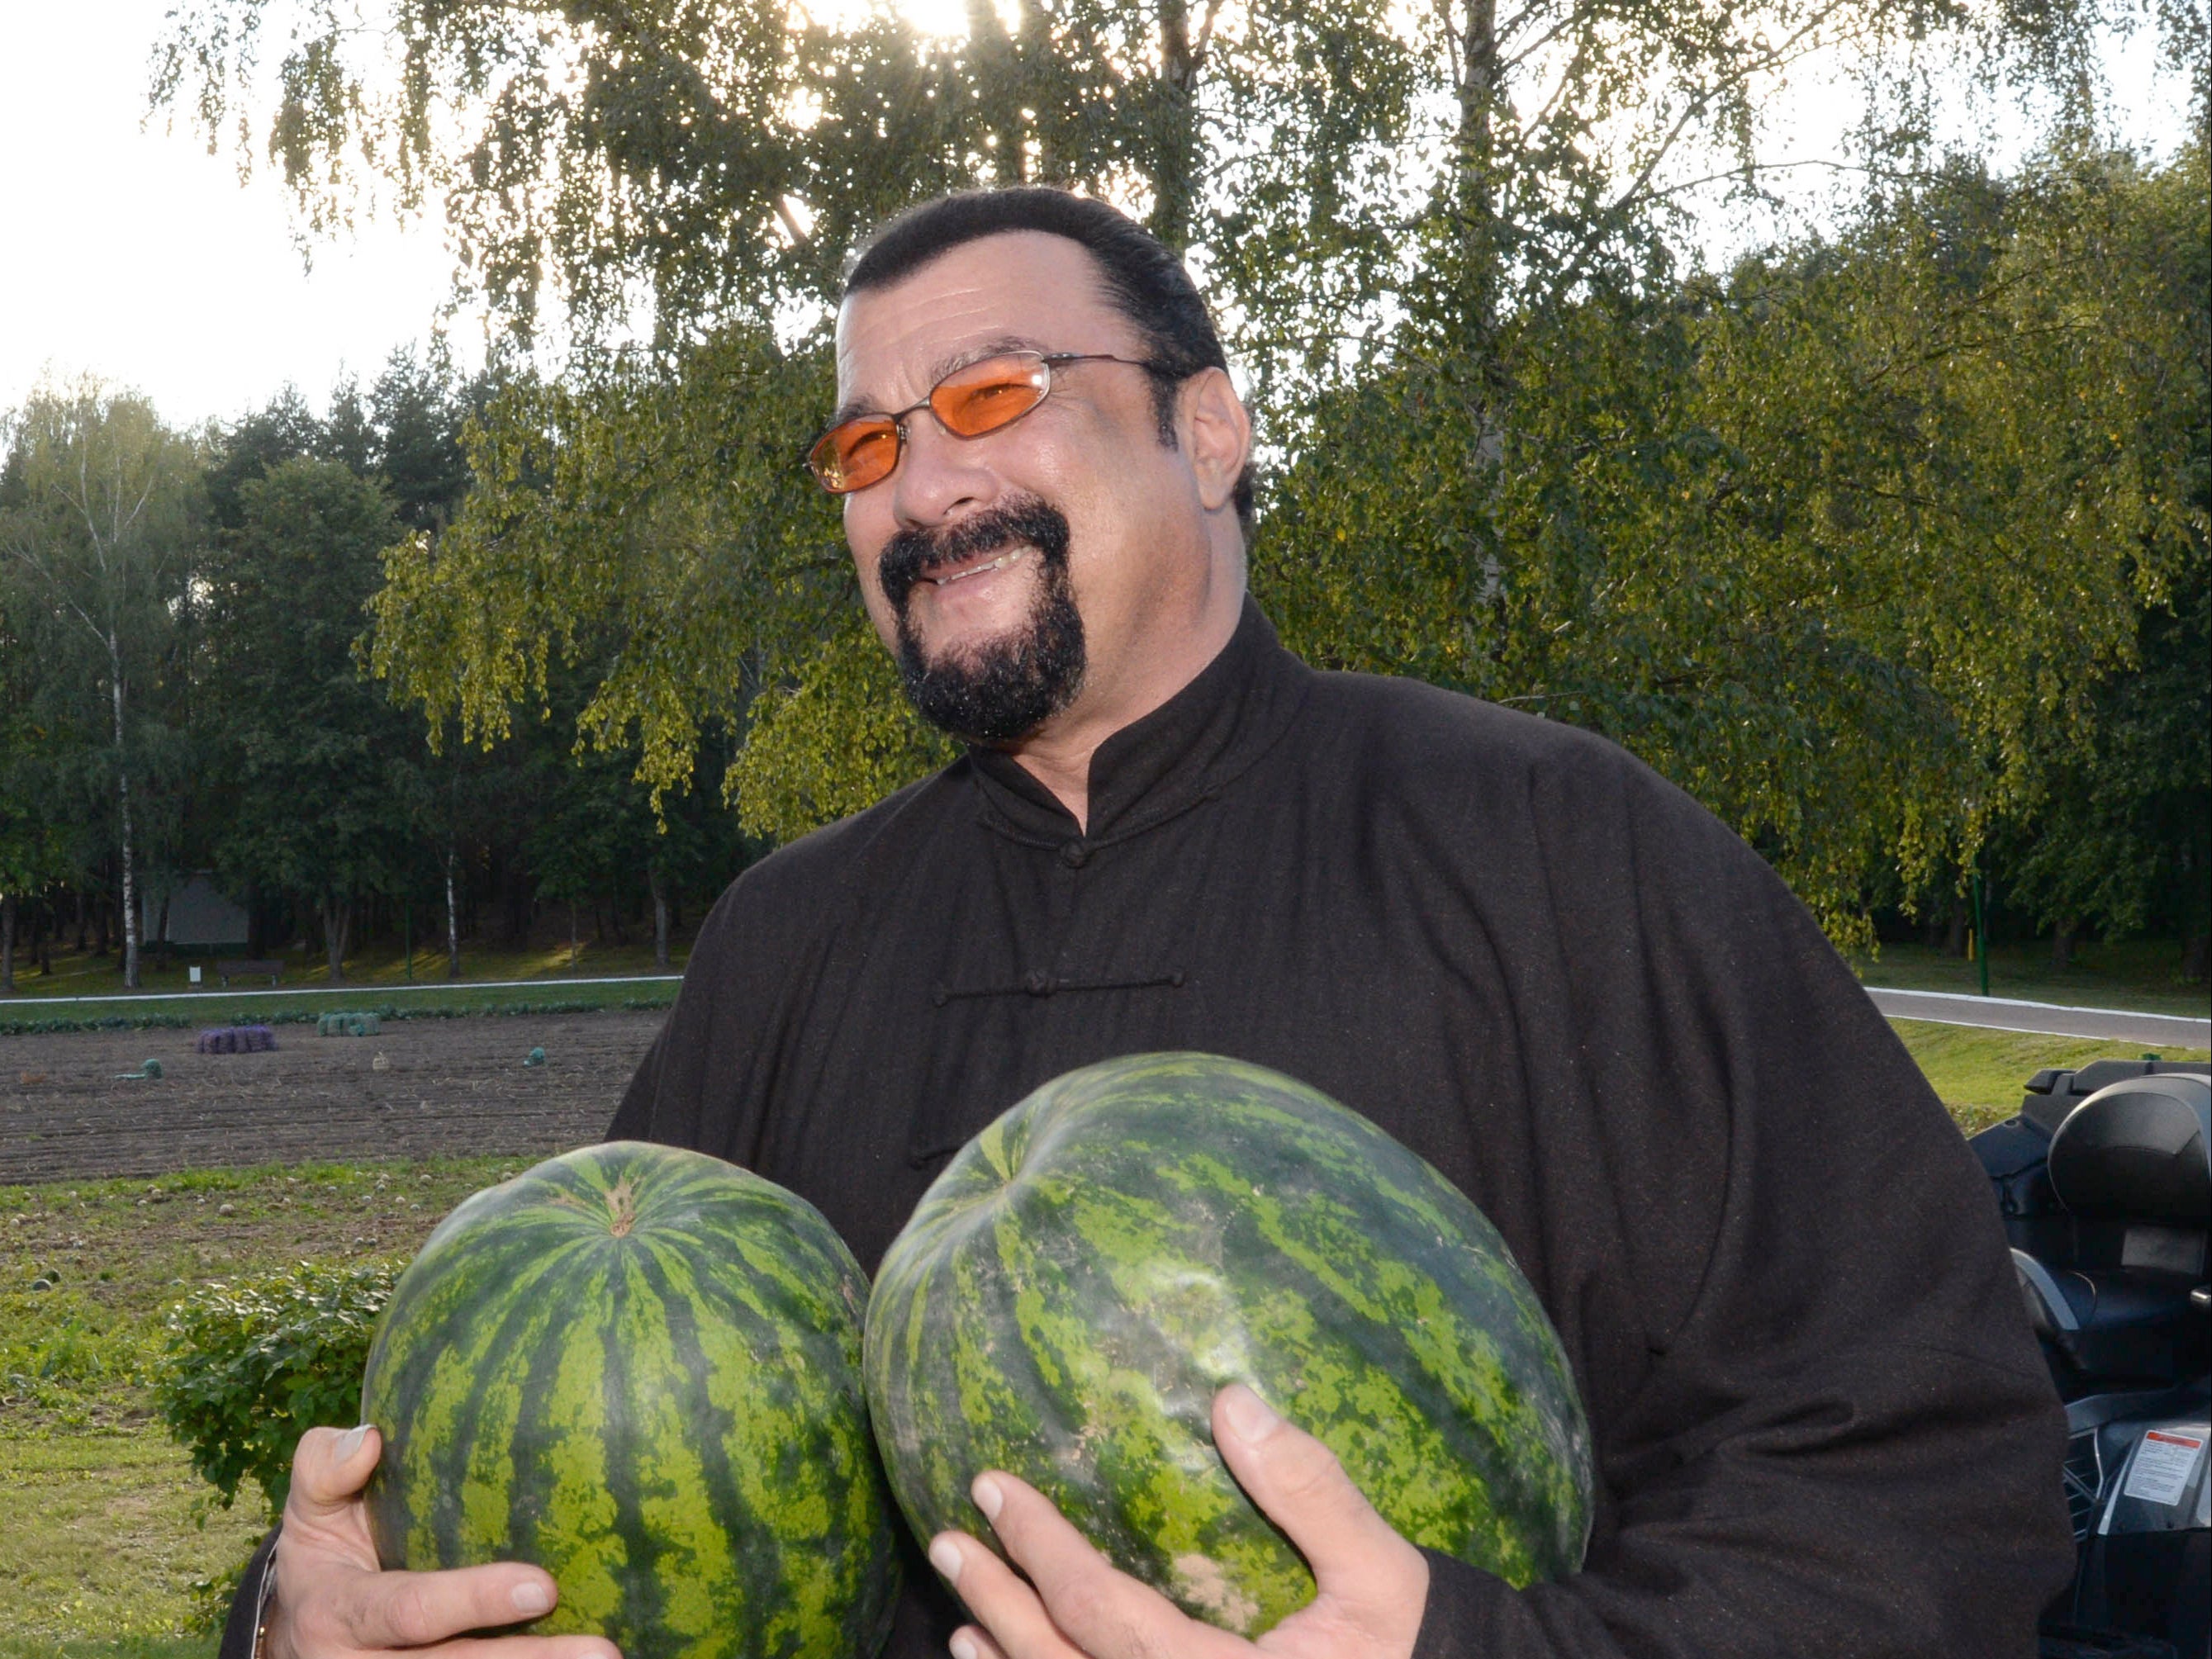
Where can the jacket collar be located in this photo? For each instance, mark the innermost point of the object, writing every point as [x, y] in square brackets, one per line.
[1183, 753]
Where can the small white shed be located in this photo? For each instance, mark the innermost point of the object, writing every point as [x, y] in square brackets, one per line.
[198, 916]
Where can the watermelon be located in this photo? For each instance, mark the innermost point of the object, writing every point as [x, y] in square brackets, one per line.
[1088, 1272]
[639, 1368]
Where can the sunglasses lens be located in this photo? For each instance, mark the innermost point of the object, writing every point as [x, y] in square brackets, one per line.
[985, 396]
[854, 455]
[979, 398]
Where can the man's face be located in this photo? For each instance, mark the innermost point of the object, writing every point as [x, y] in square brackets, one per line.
[1016, 573]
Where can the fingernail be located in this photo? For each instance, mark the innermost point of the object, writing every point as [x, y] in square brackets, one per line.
[1248, 1414]
[987, 1496]
[944, 1556]
[963, 1645]
[532, 1598]
[349, 1441]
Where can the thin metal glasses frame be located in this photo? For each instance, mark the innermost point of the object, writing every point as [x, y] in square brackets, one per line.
[825, 473]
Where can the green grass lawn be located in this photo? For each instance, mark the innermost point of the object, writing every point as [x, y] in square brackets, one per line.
[201, 1646]
[379, 967]
[107, 1534]
[236, 1007]
[514, 981]
[1979, 1074]
[103, 1526]
[2143, 975]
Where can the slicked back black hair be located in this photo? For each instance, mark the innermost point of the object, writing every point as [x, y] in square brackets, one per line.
[1142, 278]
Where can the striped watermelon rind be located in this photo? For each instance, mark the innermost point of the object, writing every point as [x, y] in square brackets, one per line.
[639, 1367]
[1133, 1237]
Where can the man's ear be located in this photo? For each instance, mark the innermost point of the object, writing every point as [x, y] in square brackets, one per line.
[1218, 434]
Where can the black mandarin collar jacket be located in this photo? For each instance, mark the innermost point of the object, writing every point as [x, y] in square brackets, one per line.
[1821, 1425]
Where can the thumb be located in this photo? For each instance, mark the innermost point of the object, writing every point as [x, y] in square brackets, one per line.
[328, 1469]
[1358, 1558]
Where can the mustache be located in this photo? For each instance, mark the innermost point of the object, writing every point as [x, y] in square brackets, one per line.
[910, 554]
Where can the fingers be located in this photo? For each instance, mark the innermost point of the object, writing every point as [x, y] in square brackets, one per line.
[1006, 1606]
[1357, 1557]
[973, 1642]
[329, 1468]
[407, 1609]
[352, 1615]
[331, 1601]
[1080, 1604]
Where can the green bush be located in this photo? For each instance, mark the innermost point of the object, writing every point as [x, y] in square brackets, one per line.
[252, 1365]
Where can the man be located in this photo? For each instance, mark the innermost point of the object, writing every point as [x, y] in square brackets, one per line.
[1821, 1425]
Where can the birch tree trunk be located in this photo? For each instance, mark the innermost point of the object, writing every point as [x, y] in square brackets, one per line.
[123, 802]
[1175, 146]
[659, 885]
[452, 922]
[1476, 186]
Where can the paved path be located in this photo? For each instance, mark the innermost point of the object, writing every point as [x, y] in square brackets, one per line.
[2007, 1014]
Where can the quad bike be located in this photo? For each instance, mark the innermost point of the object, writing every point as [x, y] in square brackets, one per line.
[2104, 1181]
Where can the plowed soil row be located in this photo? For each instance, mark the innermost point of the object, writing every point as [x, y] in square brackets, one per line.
[417, 1088]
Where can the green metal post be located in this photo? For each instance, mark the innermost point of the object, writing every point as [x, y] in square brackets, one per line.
[407, 930]
[1981, 935]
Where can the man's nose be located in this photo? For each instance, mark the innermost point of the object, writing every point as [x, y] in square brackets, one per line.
[938, 475]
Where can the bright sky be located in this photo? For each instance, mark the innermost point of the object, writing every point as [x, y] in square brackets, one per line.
[137, 256]
[131, 253]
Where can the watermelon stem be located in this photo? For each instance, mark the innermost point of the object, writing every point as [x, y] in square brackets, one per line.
[623, 1206]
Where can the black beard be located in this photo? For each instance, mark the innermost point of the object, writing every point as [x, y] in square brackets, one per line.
[1010, 686]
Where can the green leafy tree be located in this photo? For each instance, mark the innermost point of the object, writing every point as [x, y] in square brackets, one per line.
[1841, 543]
[418, 408]
[589, 834]
[718, 159]
[33, 850]
[282, 429]
[682, 562]
[2116, 837]
[326, 791]
[721, 158]
[1531, 460]
[2114, 831]
[100, 526]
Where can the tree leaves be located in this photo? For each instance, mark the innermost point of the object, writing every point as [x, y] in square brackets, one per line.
[1845, 542]
[1845, 545]
[659, 525]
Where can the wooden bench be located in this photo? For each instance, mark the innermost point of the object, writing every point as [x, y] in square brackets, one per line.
[272, 970]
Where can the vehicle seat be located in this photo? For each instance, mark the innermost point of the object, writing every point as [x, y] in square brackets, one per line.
[2132, 1164]
[2111, 1323]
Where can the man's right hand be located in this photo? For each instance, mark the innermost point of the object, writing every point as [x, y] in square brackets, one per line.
[332, 1602]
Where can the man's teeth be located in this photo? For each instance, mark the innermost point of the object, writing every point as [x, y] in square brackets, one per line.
[999, 563]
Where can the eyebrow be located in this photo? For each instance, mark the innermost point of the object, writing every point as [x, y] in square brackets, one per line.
[996, 347]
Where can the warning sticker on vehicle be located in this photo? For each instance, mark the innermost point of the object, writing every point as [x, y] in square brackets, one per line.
[2163, 1465]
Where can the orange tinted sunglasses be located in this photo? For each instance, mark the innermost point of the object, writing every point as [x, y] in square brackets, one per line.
[968, 402]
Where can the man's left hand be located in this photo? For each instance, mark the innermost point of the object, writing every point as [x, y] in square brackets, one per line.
[1371, 1584]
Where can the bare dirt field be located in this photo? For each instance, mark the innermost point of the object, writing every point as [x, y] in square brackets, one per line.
[417, 1088]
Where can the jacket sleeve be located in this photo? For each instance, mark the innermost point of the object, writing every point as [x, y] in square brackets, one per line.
[714, 1076]
[1831, 1432]
[238, 1630]
[705, 1080]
